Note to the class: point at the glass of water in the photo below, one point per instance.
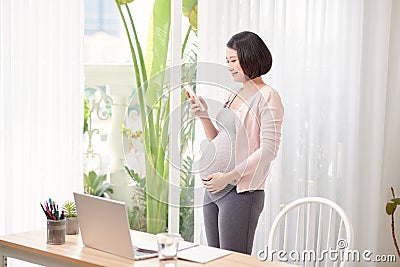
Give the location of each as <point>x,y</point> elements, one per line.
<point>168,244</point>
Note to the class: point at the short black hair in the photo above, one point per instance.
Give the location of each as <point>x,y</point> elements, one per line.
<point>254,55</point>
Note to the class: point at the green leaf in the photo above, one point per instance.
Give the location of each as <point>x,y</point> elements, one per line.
<point>90,180</point>
<point>390,208</point>
<point>134,175</point>
<point>97,182</point>
<point>103,188</point>
<point>189,10</point>
<point>193,17</point>
<point>156,58</point>
<point>92,176</point>
<point>188,6</point>
<point>396,200</point>
<point>157,49</point>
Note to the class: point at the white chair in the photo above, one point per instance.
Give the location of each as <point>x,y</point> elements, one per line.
<point>309,229</point>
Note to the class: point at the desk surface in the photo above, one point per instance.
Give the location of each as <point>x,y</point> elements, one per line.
<point>74,252</point>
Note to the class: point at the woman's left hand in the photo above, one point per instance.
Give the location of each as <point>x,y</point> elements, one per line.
<point>216,182</point>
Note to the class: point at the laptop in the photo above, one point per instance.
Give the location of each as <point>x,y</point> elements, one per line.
<point>104,226</point>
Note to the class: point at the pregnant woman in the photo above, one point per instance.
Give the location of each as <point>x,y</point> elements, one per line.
<point>243,144</point>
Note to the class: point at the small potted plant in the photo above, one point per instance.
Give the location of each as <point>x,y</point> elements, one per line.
<point>69,210</point>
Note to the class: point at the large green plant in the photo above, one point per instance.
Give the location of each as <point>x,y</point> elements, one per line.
<point>154,109</point>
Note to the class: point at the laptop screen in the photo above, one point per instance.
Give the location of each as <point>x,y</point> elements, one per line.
<point>104,224</point>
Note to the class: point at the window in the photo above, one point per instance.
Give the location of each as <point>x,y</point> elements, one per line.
<point>101,16</point>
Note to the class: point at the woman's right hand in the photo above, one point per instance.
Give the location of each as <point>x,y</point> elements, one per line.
<point>196,109</point>
<point>209,128</point>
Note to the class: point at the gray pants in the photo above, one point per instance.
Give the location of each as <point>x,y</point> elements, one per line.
<point>231,220</point>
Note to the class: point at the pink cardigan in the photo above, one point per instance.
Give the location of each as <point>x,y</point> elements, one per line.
<point>258,135</point>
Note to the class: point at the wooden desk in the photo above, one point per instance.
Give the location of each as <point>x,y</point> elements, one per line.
<point>32,247</point>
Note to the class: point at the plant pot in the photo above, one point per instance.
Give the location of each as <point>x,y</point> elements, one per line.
<point>72,227</point>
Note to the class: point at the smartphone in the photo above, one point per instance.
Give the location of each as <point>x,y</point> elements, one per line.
<point>193,95</point>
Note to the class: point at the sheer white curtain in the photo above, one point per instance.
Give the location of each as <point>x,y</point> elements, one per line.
<point>41,108</point>
<point>335,73</point>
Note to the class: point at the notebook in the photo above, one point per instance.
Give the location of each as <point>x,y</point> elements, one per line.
<point>104,226</point>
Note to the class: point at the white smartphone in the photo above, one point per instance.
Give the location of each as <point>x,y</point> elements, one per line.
<point>189,89</point>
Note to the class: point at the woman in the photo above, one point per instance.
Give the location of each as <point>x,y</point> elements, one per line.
<point>236,163</point>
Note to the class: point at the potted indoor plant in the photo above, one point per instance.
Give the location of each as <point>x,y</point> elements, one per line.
<point>69,210</point>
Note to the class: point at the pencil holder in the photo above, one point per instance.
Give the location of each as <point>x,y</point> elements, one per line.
<point>56,232</point>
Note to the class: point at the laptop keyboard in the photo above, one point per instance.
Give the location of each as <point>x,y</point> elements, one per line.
<point>143,254</point>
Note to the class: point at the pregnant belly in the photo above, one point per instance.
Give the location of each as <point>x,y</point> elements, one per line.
<point>218,156</point>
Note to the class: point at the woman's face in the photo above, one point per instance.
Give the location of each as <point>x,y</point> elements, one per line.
<point>234,65</point>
